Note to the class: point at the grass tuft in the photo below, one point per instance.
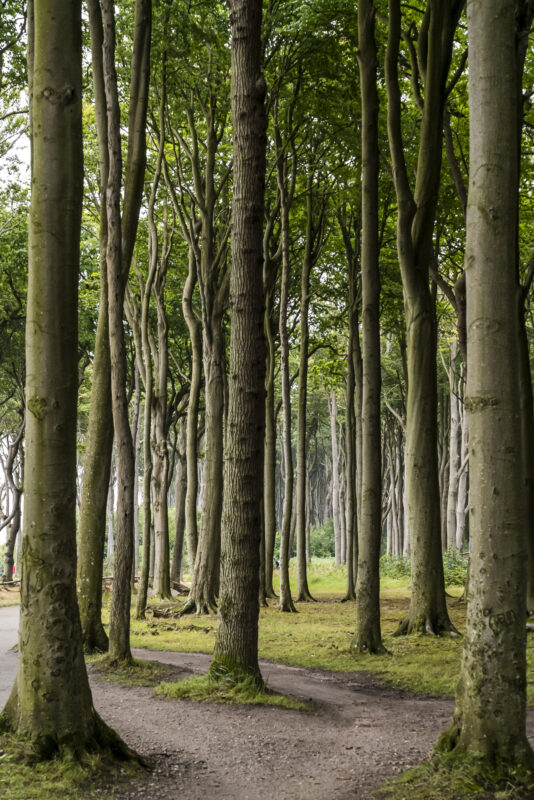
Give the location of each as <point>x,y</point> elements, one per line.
<point>225,689</point>
<point>140,672</point>
<point>460,776</point>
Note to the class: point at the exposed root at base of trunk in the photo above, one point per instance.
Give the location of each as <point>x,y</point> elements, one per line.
<point>95,639</point>
<point>97,738</point>
<point>349,596</point>
<point>305,597</point>
<point>425,624</point>
<point>198,606</point>
<point>288,606</point>
<point>370,643</point>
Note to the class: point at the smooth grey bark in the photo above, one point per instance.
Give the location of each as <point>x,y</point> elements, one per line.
<point>490,713</point>
<point>335,478</point>
<point>97,461</point>
<point>236,645</point>
<point>121,235</point>
<point>14,487</point>
<point>454,449</point>
<point>180,493</point>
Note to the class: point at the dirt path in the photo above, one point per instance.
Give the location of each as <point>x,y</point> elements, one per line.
<point>362,734</point>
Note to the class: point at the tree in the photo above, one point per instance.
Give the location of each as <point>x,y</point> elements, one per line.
<point>415,228</point>
<point>489,718</point>
<point>51,700</point>
<point>236,645</point>
<point>368,637</point>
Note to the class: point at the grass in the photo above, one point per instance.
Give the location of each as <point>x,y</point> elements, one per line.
<point>9,596</point>
<point>140,673</point>
<point>319,636</point>
<point>207,689</point>
<point>460,777</point>
<point>23,779</point>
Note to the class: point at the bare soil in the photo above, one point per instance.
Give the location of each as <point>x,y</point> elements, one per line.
<point>362,733</point>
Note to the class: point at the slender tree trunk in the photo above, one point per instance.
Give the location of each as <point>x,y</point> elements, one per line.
<point>269,499</point>
<point>236,646</point>
<point>335,478</point>
<point>454,451</point>
<point>490,713</point>
<point>118,267</point>
<point>368,636</point>
<point>303,592</point>
<point>180,493</point>
<point>97,462</point>
<point>416,216</point>
<point>286,600</point>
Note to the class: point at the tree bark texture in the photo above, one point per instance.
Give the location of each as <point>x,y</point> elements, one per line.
<point>51,700</point>
<point>368,637</point>
<point>489,718</point>
<point>236,646</point>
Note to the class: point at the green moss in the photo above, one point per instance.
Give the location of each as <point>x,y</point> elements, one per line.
<point>139,673</point>
<point>225,688</point>
<point>22,778</point>
<point>461,776</point>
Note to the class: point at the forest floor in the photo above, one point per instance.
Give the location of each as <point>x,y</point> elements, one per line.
<point>372,718</point>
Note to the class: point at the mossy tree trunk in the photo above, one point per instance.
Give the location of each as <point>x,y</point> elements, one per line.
<point>368,636</point>
<point>236,646</point>
<point>51,700</point>
<point>490,713</point>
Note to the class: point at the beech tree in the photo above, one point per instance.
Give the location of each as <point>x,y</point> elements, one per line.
<point>51,700</point>
<point>489,718</point>
<point>236,645</point>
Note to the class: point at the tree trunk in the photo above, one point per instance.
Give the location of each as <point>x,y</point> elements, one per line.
<point>118,264</point>
<point>303,592</point>
<point>180,493</point>
<point>236,645</point>
<point>490,713</point>
<point>269,499</point>
<point>335,478</point>
<point>454,450</point>
<point>51,700</point>
<point>98,453</point>
<point>368,637</point>
<point>416,217</point>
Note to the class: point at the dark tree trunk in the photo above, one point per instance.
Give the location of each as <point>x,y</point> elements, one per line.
<point>236,646</point>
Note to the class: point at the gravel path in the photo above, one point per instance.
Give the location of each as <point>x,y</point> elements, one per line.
<point>362,733</point>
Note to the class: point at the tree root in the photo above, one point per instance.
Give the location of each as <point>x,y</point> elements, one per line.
<point>425,625</point>
<point>198,606</point>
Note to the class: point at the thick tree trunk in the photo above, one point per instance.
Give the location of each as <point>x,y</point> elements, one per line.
<point>236,646</point>
<point>51,700</point>
<point>490,713</point>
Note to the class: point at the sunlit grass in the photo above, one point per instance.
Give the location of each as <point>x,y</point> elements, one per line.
<point>319,635</point>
